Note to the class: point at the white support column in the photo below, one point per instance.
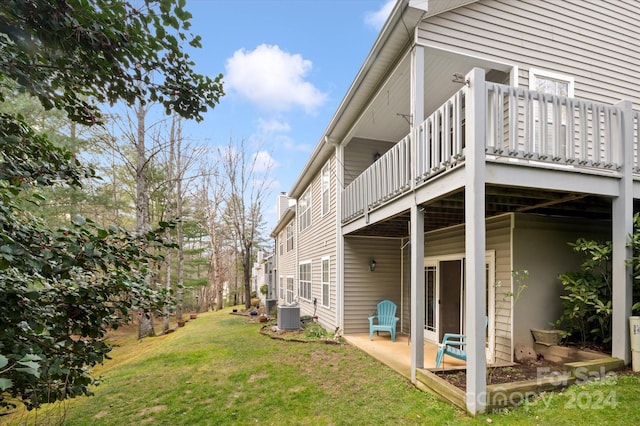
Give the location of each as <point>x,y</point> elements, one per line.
<point>417,290</point>
<point>622,228</point>
<point>417,104</point>
<point>417,221</point>
<point>339,152</point>
<point>474,205</point>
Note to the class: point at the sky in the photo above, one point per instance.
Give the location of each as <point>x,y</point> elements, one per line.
<point>287,65</point>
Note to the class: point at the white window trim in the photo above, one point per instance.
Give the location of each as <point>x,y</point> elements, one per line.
<point>291,228</point>
<point>293,289</point>
<point>307,262</point>
<point>556,148</point>
<point>302,213</point>
<point>326,169</point>
<point>490,259</point>
<point>535,74</point>
<point>327,283</point>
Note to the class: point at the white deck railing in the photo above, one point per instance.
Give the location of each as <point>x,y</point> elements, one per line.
<point>534,127</point>
<point>391,174</point>
<point>439,140</point>
<point>542,127</point>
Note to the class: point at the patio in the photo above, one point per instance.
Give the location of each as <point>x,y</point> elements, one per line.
<point>578,364</point>
<point>397,355</point>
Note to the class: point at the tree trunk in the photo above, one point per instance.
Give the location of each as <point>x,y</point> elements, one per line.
<point>172,194</point>
<point>246,274</point>
<point>145,319</point>
<point>180,229</point>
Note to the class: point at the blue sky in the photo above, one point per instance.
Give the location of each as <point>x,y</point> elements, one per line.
<point>287,65</point>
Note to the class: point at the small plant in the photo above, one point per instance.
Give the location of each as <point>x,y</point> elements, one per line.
<point>519,280</point>
<point>315,331</point>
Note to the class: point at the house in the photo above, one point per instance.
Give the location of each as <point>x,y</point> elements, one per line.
<point>477,139</point>
<point>261,275</point>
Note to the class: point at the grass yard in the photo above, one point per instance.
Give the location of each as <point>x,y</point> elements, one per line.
<point>218,370</point>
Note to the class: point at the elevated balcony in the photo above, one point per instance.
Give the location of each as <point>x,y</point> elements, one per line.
<point>523,128</point>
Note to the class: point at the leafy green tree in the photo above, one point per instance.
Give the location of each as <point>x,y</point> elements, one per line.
<point>62,287</point>
<point>76,54</point>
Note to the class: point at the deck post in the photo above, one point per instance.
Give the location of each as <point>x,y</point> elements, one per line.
<point>339,153</point>
<point>417,219</point>
<point>474,206</point>
<point>417,290</point>
<point>417,107</point>
<point>621,229</point>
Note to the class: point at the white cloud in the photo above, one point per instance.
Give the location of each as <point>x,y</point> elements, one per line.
<point>290,145</point>
<point>272,126</point>
<point>377,18</point>
<point>273,79</point>
<point>264,162</point>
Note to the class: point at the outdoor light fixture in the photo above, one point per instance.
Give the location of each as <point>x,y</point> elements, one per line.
<point>372,264</point>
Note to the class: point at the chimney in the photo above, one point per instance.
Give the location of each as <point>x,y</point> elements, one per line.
<point>283,204</point>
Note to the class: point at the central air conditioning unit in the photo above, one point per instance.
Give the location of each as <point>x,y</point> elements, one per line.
<point>288,317</point>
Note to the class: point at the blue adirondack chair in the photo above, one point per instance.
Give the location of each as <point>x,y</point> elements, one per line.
<point>453,345</point>
<point>387,319</point>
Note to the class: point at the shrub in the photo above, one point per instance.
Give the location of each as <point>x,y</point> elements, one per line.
<point>586,304</point>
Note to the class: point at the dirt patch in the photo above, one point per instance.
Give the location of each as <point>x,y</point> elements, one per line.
<point>154,409</point>
<point>510,374</point>
<point>258,376</point>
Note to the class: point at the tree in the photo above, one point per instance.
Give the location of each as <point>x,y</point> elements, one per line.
<point>246,186</point>
<point>75,54</point>
<point>61,288</point>
<point>210,196</point>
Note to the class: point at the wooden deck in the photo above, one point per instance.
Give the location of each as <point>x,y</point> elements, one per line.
<point>397,355</point>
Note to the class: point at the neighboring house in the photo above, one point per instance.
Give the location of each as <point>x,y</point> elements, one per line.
<point>284,270</point>
<point>478,138</point>
<point>262,274</point>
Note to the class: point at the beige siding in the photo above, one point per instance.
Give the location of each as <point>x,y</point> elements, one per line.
<point>363,289</point>
<point>359,155</point>
<point>405,319</point>
<point>450,241</point>
<point>562,36</point>
<point>286,266</point>
<point>499,240</point>
<point>319,241</point>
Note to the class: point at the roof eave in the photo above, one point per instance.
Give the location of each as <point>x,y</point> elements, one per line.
<point>284,220</point>
<point>323,149</point>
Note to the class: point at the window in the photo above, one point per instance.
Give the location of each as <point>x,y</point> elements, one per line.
<point>549,132</point>
<point>304,283</point>
<point>290,290</point>
<point>290,232</point>
<point>326,285</point>
<point>326,183</point>
<point>281,290</point>
<point>304,210</point>
<point>281,243</point>
<point>552,83</point>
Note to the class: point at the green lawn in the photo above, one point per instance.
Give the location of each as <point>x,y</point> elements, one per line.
<point>218,370</point>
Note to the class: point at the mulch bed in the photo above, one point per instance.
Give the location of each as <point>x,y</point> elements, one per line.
<point>515,373</point>
<point>499,375</point>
